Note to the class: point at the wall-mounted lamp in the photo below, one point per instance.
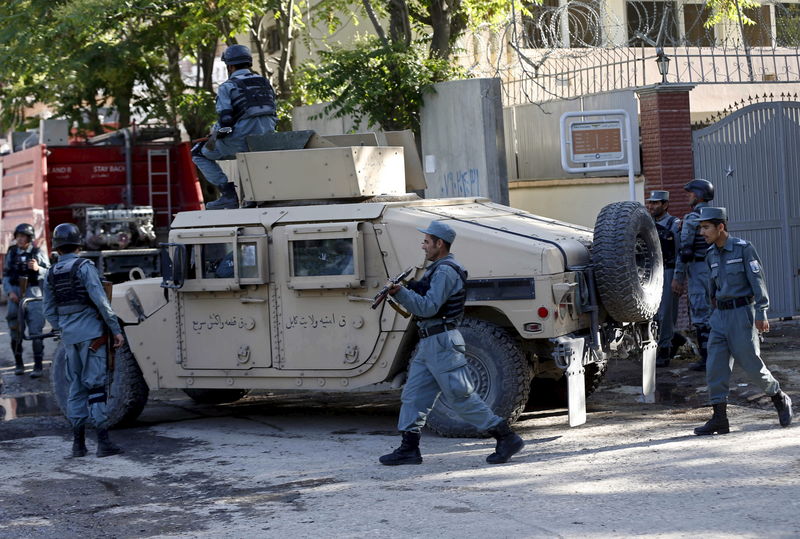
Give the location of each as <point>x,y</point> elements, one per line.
<point>663,64</point>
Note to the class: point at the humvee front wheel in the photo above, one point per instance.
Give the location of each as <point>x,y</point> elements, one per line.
<point>215,396</point>
<point>128,392</point>
<point>499,371</point>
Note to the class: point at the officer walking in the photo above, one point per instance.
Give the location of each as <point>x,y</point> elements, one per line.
<point>691,266</point>
<point>439,366</point>
<point>24,259</point>
<point>76,304</point>
<point>668,227</point>
<point>245,106</point>
<point>739,296</point>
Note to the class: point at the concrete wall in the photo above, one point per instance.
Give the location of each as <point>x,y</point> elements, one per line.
<point>575,200</point>
<point>533,140</point>
<point>304,118</point>
<point>463,140</point>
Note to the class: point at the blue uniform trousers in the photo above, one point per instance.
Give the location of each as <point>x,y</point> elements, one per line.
<point>699,304</point>
<point>439,368</point>
<point>228,147</point>
<point>34,320</point>
<point>667,311</point>
<point>734,337</point>
<point>86,377</point>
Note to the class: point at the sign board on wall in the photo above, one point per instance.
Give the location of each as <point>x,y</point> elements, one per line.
<point>596,141</point>
<point>592,141</point>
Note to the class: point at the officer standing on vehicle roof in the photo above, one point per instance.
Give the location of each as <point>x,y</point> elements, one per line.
<point>76,304</point>
<point>245,106</point>
<point>668,227</point>
<point>24,259</point>
<point>739,296</point>
<point>691,266</point>
<point>439,366</point>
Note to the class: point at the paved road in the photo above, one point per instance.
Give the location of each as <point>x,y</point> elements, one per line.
<point>306,465</point>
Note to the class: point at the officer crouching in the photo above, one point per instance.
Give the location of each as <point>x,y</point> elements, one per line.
<point>76,304</point>
<point>740,302</point>
<point>439,366</point>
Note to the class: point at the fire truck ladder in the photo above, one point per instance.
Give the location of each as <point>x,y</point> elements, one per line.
<point>161,157</point>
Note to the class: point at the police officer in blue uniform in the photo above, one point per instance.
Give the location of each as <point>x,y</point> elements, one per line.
<point>439,366</point>
<point>76,305</point>
<point>24,259</point>
<point>739,296</point>
<point>245,106</point>
<point>691,266</point>
<point>668,228</point>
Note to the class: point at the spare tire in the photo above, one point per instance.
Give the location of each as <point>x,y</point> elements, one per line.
<point>626,255</point>
<point>128,391</point>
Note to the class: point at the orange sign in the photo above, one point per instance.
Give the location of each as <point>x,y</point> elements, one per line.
<point>596,141</point>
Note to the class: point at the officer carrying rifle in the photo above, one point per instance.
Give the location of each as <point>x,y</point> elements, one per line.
<point>439,366</point>
<point>75,303</point>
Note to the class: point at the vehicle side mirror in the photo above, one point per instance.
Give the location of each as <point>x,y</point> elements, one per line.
<point>173,268</point>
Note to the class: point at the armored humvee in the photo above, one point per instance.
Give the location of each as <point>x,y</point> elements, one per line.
<point>278,296</point>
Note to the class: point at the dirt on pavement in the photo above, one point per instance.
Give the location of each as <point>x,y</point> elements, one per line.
<point>306,464</point>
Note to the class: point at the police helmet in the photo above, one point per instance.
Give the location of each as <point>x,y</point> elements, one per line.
<point>237,54</point>
<point>703,189</point>
<point>66,234</point>
<point>24,228</point>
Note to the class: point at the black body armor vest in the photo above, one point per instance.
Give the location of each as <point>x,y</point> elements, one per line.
<point>254,97</point>
<point>68,288</point>
<point>667,239</point>
<point>453,308</point>
<point>18,266</point>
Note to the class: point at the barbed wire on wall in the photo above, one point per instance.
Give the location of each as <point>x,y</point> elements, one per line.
<point>580,47</point>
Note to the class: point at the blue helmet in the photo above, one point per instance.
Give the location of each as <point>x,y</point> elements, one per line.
<point>237,54</point>
<point>704,189</point>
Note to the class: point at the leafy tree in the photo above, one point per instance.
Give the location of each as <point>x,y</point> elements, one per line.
<point>384,84</point>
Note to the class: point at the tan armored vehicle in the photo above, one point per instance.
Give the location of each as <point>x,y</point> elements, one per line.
<point>278,297</point>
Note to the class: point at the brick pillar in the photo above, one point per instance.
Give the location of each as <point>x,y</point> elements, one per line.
<point>666,133</point>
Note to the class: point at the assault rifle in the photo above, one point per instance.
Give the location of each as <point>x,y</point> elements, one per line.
<point>383,293</point>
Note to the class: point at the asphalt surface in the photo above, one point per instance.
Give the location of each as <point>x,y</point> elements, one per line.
<point>305,464</point>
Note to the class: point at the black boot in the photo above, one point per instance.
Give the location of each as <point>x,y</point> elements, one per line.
<point>104,446</point>
<point>508,443</point>
<point>37,367</point>
<point>407,453</point>
<point>783,404</point>
<point>227,199</point>
<point>718,422</point>
<point>663,356</point>
<point>702,346</point>
<point>16,348</point>
<point>78,442</point>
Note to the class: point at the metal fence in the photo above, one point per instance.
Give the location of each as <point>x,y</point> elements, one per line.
<point>751,156</point>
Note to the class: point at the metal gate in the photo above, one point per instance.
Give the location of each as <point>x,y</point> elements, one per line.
<point>753,159</point>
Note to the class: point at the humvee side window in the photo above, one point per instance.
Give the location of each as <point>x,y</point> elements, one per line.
<point>323,257</point>
<point>217,260</point>
<point>248,261</point>
<point>224,258</point>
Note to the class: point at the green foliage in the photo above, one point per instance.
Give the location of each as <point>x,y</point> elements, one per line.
<point>381,84</point>
<point>729,10</point>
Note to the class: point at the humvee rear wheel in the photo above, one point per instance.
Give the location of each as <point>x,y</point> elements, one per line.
<point>128,393</point>
<point>499,371</point>
<point>215,396</point>
<point>629,268</point>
